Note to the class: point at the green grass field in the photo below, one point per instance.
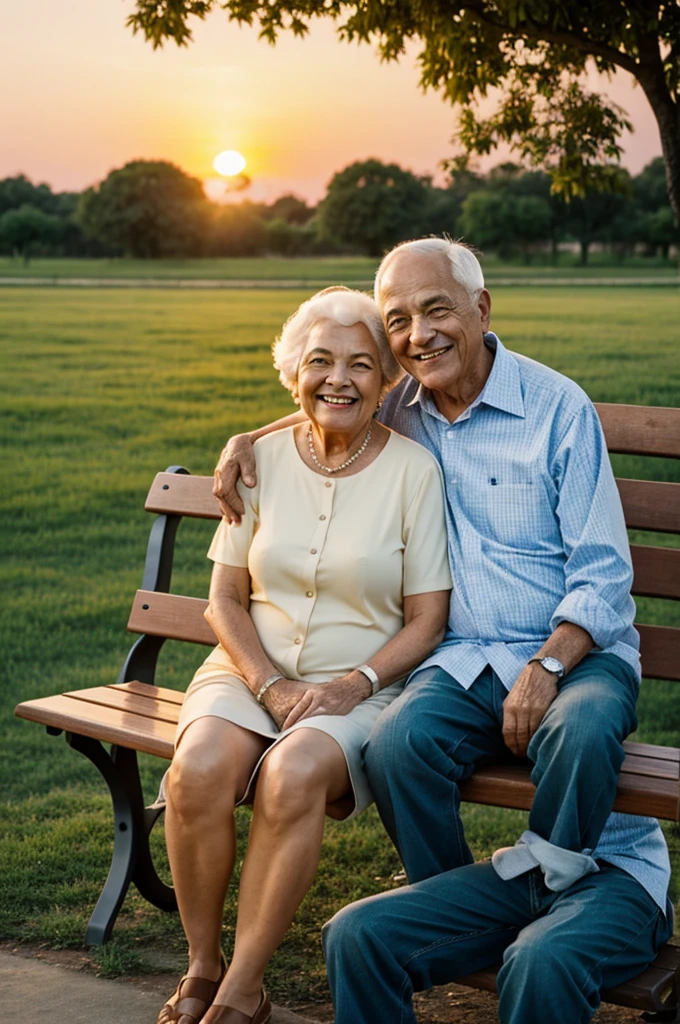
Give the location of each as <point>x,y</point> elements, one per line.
<point>101,390</point>
<point>319,271</point>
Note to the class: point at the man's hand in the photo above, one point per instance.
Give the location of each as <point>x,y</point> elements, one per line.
<point>525,706</point>
<point>237,460</point>
<point>338,697</point>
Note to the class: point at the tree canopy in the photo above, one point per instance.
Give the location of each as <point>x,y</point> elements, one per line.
<point>534,52</point>
<point>147,208</point>
<point>372,206</point>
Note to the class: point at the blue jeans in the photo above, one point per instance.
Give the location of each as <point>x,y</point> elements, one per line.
<point>436,733</point>
<point>558,949</point>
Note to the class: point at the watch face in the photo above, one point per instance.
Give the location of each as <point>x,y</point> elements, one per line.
<point>552,665</point>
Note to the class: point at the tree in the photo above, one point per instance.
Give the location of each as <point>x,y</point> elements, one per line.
<point>20,191</point>
<point>535,52</point>
<point>290,209</point>
<point>238,229</point>
<point>371,206</point>
<point>22,229</point>
<point>599,217</point>
<point>147,209</point>
<point>504,222</point>
<point>658,230</point>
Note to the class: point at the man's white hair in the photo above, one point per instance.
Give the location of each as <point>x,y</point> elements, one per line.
<point>343,306</point>
<point>465,267</point>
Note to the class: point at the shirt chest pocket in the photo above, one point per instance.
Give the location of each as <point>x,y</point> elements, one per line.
<point>518,515</point>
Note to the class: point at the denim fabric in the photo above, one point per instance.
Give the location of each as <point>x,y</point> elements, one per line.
<point>558,949</point>
<point>535,526</point>
<point>436,733</point>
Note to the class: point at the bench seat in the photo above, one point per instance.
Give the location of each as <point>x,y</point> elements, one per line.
<point>143,718</point>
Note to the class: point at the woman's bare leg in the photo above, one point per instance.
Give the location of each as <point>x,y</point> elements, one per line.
<point>208,775</point>
<point>303,773</point>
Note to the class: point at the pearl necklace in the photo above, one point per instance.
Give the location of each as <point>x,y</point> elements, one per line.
<point>346,463</point>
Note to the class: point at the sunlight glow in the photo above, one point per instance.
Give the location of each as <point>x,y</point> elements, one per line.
<point>229,163</point>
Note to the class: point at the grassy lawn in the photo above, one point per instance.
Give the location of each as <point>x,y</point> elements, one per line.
<point>319,271</point>
<point>101,390</point>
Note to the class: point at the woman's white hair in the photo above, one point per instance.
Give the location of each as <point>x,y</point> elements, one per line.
<point>465,267</point>
<point>343,306</point>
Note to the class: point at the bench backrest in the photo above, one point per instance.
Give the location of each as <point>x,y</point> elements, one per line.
<point>648,506</point>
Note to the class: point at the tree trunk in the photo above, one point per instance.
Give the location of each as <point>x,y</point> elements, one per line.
<point>667,113</point>
<point>585,246</point>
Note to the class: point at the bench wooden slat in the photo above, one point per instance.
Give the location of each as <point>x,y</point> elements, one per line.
<point>657,571</point>
<point>640,429</point>
<point>649,990</point>
<point>171,616</point>
<point>173,696</point>
<point>651,750</point>
<point>650,505</point>
<point>132,703</point>
<point>510,786</point>
<point>177,493</point>
<point>640,764</point>
<point>660,651</point>
<point>101,723</point>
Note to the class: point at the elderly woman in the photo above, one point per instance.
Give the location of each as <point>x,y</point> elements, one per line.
<point>332,588</point>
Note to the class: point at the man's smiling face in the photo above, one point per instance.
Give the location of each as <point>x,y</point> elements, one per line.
<point>434,329</point>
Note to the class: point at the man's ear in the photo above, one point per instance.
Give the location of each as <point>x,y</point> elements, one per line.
<point>484,306</point>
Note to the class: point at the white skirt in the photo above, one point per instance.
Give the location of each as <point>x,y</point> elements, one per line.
<point>215,692</point>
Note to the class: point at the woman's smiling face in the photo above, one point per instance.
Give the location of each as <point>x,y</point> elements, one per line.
<point>340,377</point>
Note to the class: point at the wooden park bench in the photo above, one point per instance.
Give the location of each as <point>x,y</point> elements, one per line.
<point>134,714</point>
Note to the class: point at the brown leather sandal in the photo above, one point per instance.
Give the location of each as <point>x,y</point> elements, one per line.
<point>192,999</point>
<point>220,1014</point>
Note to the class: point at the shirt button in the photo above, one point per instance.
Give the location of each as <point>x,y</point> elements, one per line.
<point>312,551</point>
<point>297,640</point>
<point>322,517</point>
<point>328,484</point>
<point>310,593</point>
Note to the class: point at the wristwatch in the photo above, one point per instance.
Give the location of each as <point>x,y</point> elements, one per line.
<point>551,665</point>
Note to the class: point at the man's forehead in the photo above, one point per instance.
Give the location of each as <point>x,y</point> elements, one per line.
<point>419,277</point>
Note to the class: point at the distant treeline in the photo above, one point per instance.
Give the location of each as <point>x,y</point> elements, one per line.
<point>152,209</point>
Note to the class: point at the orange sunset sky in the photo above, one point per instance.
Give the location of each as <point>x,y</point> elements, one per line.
<point>82,95</point>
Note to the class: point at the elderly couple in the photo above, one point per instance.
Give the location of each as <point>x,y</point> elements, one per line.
<point>348,670</point>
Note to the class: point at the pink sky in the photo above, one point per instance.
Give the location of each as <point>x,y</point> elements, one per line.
<point>82,95</point>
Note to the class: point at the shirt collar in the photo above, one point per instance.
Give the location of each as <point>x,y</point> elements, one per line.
<point>503,388</point>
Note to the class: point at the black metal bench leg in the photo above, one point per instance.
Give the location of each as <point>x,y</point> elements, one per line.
<point>132,822</point>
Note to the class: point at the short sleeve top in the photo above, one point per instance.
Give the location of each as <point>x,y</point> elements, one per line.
<point>331,560</point>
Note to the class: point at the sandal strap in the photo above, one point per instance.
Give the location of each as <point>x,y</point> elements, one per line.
<point>194,996</point>
<point>197,988</point>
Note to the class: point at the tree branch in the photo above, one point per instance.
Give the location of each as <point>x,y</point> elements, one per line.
<point>541,33</point>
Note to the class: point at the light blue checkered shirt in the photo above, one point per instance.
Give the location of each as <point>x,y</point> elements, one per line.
<point>535,525</point>
<point>536,537</point>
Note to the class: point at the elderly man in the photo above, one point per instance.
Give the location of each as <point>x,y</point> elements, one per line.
<point>540,656</point>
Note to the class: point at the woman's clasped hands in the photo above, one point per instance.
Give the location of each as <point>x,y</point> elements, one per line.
<point>289,701</point>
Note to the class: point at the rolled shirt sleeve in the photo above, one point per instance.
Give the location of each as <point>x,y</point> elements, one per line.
<point>598,570</point>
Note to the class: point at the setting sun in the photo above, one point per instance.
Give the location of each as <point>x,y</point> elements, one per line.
<point>229,163</point>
